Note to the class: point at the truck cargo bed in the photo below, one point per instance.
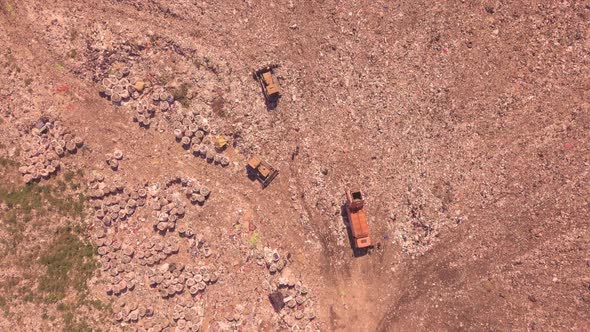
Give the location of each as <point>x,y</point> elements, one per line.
<point>358,223</point>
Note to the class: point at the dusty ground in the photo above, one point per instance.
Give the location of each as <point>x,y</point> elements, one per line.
<point>467,125</point>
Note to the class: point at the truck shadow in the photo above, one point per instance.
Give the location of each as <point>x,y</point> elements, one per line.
<point>356,252</point>
<point>271,105</point>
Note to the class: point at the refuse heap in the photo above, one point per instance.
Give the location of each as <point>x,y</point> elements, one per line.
<point>270,258</point>
<point>116,263</point>
<point>155,250</point>
<point>44,145</point>
<point>172,279</point>
<point>193,132</point>
<point>114,202</point>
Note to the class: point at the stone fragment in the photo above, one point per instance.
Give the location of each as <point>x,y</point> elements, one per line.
<point>139,86</point>
<point>118,154</point>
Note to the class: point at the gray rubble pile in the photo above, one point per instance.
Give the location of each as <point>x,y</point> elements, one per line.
<point>188,315</point>
<point>131,311</point>
<point>114,202</point>
<point>44,146</point>
<point>199,247</point>
<point>168,208</point>
<point>122,89</point>
<point>116,262</point>
<point>162,100</point>
<point>144,112</point>
<point>114,158</point>
<point>234,319</point>
<point>172,279</point>
<point>119,88</point>
<point>194,191</point>
<point>193,132</point>
<point>185,228</point>
<point>272,259</point>
<point>153,251</point>
<point>298,310</point>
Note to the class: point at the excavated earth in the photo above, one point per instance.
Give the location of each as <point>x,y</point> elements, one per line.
<point>465,123</point>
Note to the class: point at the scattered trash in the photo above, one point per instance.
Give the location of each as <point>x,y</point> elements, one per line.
<point>44,146</point>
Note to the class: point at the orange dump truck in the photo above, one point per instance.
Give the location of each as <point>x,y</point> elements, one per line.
<point>357,219</point>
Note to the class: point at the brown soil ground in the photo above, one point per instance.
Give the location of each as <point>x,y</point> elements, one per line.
<point>465,123</point>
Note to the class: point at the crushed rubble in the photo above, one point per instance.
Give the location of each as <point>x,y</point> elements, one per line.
<point>43,146</point>
<point>113,202</point>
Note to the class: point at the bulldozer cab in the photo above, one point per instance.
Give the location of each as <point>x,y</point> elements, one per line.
<point>264,172</point>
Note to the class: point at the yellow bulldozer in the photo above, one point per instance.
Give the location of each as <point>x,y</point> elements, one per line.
<point>220,143</point>
<point>269,83</point>
<point>262,171</point>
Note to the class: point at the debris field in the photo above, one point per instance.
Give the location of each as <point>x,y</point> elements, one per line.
<point>146,131</point>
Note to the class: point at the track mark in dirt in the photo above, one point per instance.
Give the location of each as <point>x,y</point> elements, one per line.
<point>335,319</point>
